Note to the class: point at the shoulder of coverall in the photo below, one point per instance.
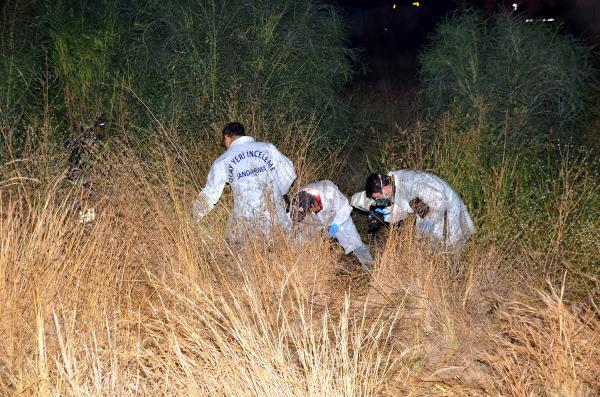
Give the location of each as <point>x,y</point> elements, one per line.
<point>428,178</point>
<point>241,140</point>
<point>232,150</point>
<point>405,181</point>
<point>416,175</point>
<point>320,185</point>
<point>412,181</point>
<point>259,145</point>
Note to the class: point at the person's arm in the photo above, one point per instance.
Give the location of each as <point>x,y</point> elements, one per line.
<point>211,193</point>
<point>284,170</point>
<point>400,210</point>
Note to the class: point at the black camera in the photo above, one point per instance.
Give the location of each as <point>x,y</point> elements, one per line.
<point>382,203</point>
<point>375,219</point>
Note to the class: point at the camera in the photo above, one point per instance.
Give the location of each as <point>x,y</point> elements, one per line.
<point>375,219</point>
<point>382,203</point>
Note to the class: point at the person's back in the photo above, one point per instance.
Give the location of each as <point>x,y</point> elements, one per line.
<point>427,186</point>
<point>442,200</point>
<point>259,176</point>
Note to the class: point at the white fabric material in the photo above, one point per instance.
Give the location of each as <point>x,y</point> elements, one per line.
<point>259,176</point>
<point>336,210</point>
<point>361,202</point>
<point>445,207</point>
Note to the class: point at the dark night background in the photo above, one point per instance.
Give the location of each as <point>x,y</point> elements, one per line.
<point>391,33</point>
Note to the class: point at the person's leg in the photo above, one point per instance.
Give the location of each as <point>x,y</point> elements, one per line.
<point>350,240</point>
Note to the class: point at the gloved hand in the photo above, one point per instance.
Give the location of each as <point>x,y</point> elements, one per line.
<point>333,229</point>
<point>385,212</point>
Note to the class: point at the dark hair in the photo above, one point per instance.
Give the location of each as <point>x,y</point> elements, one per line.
<point>233,129</point>
<point>301,205</point>
<point>375,183</point>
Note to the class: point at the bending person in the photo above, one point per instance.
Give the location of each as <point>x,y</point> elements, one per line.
<point>440,213</point>
<point>259,176</point>
<point>324,202</point>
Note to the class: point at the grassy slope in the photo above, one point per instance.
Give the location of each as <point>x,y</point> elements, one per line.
<point>142,301</point>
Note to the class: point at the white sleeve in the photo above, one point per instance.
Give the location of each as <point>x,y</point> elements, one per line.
<point>217,177</point>
<point>284,170</point>
<point>400,210</point>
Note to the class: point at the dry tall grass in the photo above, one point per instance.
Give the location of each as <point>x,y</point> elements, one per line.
<point>142,301</point>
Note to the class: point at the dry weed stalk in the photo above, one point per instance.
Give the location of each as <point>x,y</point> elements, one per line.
<point>142,301</point>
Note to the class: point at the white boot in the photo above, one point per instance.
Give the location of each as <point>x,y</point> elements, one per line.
<point>364,257</point>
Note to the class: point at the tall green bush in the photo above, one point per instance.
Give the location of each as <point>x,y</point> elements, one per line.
<point>533,79</point>
<point>20,91</point>
<point>548,204</point>
<point>208,60</point>
<point>193,63</point>
<point>83,42</point>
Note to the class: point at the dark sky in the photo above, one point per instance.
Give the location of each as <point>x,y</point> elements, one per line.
<point>390,33</point>
<point>400,23</point>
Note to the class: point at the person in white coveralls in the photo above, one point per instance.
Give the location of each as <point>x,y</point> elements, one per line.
<point>440,213</point>
<point>259,176</point>
<point>326,206</point>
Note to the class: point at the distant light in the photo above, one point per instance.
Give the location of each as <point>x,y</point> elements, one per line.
<point>416,4</point>
<point>515,6</point>
<point>540,20</point>
<point>394,6</point>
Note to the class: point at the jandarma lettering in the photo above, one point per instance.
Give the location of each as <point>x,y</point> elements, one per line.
<point>253,171</point>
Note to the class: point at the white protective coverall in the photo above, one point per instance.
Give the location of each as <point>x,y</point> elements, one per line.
<point>259,176</point>
<point>337,210</point>
<point>445,207</point>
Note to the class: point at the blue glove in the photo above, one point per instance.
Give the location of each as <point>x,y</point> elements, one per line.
<point>386,214</point>
<point>333,229</point>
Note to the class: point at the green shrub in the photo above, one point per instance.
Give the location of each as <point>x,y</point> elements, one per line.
<point>191,63</point>
<point>20,91</point>
<point>83,43</point>
<point>548,205</point>
<point>535,80</point>
<point>210,60</point>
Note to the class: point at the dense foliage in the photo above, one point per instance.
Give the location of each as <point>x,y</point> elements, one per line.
<point>196,62</point>
<point>533,79</point>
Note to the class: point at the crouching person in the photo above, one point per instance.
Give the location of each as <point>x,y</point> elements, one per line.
<point>440,213</point>
<point>322,201</point>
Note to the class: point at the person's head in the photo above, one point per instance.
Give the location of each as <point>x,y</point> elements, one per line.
<point>378,186</point>
<point>303,204</point>
<point>231,132</point>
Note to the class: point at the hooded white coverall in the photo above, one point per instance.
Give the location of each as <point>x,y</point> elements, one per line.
<point>259,176</point>
<point>337,210</point>
<point>445,207</point>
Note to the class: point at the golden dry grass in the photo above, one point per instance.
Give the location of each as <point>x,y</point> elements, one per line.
<point>143,301</point>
